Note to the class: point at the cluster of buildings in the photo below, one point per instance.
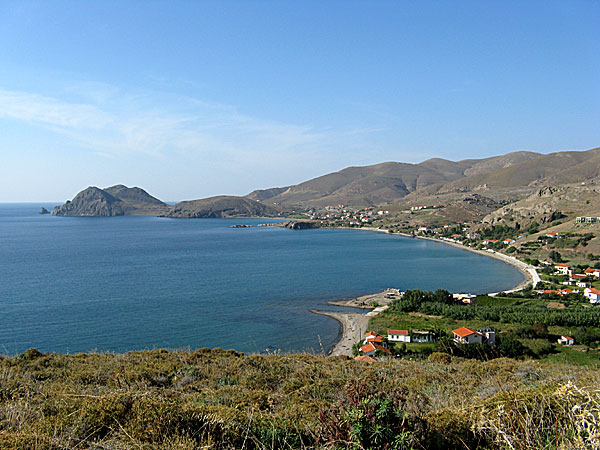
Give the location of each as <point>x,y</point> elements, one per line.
<point>350,217</point>
<point>581,280</point>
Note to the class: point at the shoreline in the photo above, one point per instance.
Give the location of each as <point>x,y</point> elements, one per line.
<point>352,324</point>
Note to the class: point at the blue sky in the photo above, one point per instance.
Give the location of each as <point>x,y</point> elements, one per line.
<point>189,99</point>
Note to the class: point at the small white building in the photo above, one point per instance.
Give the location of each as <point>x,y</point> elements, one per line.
<point>592,294</point>
<point>566,340</point>
<point>398,336</point>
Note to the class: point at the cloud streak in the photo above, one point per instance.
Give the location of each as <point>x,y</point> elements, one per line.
<point>117,125</point>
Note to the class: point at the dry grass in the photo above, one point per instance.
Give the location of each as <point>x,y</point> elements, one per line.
<point>216,399</point>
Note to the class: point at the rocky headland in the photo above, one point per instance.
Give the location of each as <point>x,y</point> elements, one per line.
<point>116,200</point>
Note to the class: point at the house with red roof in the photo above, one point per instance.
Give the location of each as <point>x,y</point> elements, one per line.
<point>464,335</point>
<point>508,241</point>
<point>563,269</point>
<point>371,348</point>
<point>373,337</point>
<point>398,336</point>
<point>552,235</point>
<point>592,272</point>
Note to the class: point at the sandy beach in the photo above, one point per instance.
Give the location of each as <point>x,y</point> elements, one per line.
<point>354,325</point>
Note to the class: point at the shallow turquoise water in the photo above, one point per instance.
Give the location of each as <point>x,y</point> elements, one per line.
<point>117,284</point>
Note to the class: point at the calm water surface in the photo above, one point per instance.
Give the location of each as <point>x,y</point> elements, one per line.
<point>123,283</point>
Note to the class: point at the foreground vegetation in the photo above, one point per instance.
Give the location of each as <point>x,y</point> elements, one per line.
<point>216,399</point>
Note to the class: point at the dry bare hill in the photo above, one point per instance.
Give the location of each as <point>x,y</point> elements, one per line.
<point>383,183</point>
<point>545,170</point>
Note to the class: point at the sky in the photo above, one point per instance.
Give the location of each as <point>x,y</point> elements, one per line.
<point>189,99</point>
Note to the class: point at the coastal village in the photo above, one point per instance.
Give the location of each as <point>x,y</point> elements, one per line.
<point>560,285</point>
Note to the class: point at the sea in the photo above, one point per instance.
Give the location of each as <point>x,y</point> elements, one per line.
<point>80,284</point>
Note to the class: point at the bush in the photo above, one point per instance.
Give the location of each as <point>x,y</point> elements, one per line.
<point>364,420</point>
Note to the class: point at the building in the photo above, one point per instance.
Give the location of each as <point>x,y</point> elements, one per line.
<point>468,299</point>
<point>421,336</point>
<point>489,335</point>
<point>465,335</point>
<point>592,294</point>
<point>592,272</point>
<point>490,241</point>
<point>566,340</point>
<point>587,219</point>
<point>552,235</point>
<point>398,336</point>
<point>371,348</point>
<point>373,337</point>
<point>563,269</point>
<point>508,241</point>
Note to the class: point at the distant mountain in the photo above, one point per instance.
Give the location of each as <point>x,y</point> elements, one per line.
<point>116,200</point>
<point>384,183</point>
<point>221,207</point>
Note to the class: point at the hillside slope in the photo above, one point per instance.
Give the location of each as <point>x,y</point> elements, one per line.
<point>220,207</point>
<point>383,183</point>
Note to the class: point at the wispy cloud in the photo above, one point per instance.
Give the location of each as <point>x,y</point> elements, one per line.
<point>112,123</point>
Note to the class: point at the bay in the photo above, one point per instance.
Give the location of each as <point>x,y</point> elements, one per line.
<point>70,284</point>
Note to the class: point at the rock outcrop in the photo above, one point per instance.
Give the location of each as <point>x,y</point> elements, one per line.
<point>113,201</point>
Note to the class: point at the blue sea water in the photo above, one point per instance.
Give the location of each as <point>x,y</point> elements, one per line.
<point>126,283</point>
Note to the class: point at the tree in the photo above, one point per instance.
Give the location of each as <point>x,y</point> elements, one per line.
<point>511,347</point>
<point>555,256</point>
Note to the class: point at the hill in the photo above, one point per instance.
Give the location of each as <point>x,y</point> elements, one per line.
<point>221,207</point>
<point>384,183</point>
<point>116,200</point>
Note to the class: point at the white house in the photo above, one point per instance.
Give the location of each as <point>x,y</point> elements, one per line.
<point>508,241</point>
<point>465,335</point>
<point>566,340</point>
<point>563,269</point>
<point>592,294</point>
<point>398,336</point>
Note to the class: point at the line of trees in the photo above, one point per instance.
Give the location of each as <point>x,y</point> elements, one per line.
<point>441,303</point>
